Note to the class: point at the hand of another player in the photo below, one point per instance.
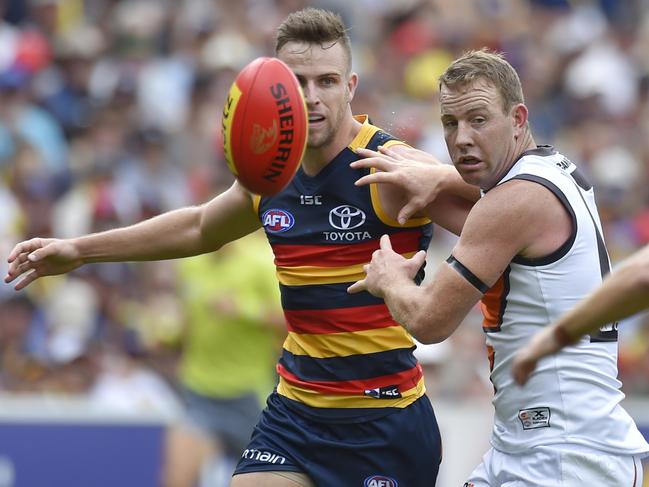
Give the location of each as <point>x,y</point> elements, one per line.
<point>40,257</point>
<point>387,268</point>
<point>418,173</point>
<point>525,361</point>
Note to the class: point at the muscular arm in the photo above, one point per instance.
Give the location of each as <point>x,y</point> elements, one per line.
<point>179,233</point>
<point>623,293</point>
<point>497,229</point>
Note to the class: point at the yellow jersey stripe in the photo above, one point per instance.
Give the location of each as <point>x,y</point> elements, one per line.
<point>348,343</point>
<point>312,275</point>
<point>317,400</point>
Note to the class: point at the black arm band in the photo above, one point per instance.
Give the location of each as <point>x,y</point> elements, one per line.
<point>467,274</point>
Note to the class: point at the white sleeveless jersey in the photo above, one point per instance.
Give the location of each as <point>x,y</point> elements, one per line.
<point>573,397</point>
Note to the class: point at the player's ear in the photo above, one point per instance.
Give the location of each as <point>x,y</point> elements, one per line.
<point>352,83</point>
<point>519,118</point>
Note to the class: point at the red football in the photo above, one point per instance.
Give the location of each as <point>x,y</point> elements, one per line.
<point>265,126</point>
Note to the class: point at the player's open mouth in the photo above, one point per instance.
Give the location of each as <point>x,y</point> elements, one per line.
<point>313,119</point>
<point>469,161</point>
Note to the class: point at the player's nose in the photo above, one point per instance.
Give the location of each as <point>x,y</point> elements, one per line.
<point>310,93</point>
<point>463,135</point>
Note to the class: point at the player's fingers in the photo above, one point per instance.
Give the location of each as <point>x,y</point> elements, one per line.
<point>522,369</point>
<point>419,258</point>
<point>45,251</point>
<point>377,162</point>
<point>16,269</point>
<point>406,212</point>
<point>24,248</point>
<point>377,177</point>
<point>364,152</point>
<point>357,287</point>
<point>26,280</point>
<point>386,151</point>
<point>385,242</point>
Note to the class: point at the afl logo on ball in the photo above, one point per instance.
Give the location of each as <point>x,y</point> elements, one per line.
<point>277,221</point>
<point>380,481</point>
<point>263,139</point>
<point>346,217</point>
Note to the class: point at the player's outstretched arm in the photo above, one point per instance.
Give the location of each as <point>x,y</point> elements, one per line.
<point>623,293</point>
<point>430,187</point>
<point>179,233</point>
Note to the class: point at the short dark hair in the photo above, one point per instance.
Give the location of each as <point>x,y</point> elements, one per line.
<point>314,26</point>
<point>487,65</point>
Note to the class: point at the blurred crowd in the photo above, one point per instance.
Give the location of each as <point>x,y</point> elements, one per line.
<point>110,113</point>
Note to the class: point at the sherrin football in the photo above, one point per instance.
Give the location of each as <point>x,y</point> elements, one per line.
<point>265,126</point>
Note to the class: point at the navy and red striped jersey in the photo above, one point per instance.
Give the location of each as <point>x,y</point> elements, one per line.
<point>344,354</point>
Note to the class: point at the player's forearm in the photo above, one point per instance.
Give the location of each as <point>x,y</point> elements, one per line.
<point>454,184</point>
<point>413,308</point>
<point>171,235</point>
<point>623,293</point>
<point>402,300</point>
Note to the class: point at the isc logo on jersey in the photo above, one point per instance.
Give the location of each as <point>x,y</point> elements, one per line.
<point>277,221</point>
<point>380,481</point>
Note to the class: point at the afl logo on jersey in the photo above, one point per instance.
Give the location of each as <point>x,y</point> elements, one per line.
<point>346,217</point>
<point>277,221</point>
<point>380,481</point>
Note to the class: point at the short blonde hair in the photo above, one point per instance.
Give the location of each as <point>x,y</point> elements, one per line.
<point>487,65</point>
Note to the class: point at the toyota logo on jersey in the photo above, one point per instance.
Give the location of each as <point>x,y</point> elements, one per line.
<point>346,217</point>
<point>277,221</point>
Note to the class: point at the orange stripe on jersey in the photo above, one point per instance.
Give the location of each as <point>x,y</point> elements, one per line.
<point>404,380</point>
<point>339,319</point>
<point>494,302</point>
<point>340,255</point>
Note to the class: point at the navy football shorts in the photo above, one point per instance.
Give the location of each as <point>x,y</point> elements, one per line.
<point>401,449</point>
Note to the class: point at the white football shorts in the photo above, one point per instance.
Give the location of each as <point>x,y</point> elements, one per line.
<point>557,466</point>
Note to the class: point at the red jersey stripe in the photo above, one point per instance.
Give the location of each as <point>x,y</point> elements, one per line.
<point>404,380</point>
<point>340,255</point>
<point>338,320</point>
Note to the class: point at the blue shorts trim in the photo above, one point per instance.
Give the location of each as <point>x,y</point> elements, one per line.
<point>404,446</point>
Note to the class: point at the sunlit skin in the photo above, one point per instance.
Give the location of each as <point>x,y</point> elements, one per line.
<point>328,86</point>
<point>483,139</point>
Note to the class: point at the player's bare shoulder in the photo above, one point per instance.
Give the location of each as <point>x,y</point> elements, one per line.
<point>529,213</point>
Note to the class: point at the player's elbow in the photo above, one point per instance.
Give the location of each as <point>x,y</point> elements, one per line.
<point>428,330</point>
<point>428,337</point>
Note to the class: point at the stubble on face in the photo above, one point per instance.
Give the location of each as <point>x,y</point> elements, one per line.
<point>477,130</point>
<point>316,66</point>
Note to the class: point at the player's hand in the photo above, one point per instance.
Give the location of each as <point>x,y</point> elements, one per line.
<point>525,361</point>
<point>40,257</point>
<point>387,268</point>
<point>419,174</point>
